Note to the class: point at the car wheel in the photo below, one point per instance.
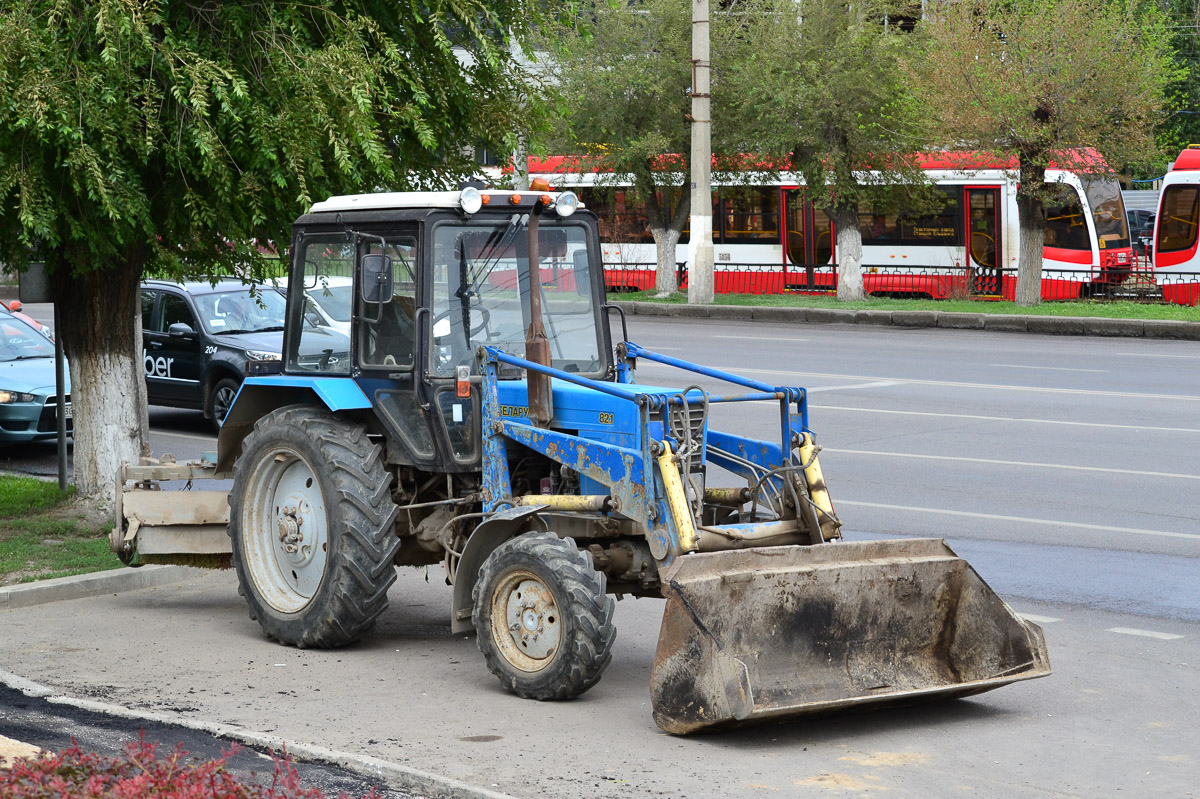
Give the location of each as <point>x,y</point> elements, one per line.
<point>220,399</point>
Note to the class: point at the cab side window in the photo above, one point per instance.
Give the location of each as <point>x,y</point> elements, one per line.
<point>320,347</point>
<point>390,332</point>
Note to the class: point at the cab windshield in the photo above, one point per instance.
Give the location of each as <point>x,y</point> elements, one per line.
<point>481,292</point>
<point>1108,212</point>
<point>231,312</point>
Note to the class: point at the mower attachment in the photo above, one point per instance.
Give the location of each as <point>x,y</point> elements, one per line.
<point>771,632</point>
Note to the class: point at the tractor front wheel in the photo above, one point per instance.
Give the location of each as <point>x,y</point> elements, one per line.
<point>312,524</point>
<point>544,622</point>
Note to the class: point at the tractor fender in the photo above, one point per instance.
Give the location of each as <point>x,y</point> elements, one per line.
<point>493,532</point>
<point>258,396</point>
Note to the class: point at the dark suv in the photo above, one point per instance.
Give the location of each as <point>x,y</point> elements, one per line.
<point>197,340</point>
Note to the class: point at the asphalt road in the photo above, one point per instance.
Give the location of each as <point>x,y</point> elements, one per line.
<point>1065,469</point>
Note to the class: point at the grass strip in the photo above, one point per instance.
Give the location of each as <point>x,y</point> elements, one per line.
<point>1094,308</point>
<point>40,536</point>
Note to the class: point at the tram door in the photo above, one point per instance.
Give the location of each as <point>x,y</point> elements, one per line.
<point>808,243</point>
<point>984,240</point>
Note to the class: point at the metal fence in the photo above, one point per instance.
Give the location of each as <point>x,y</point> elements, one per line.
<point>1138,282</point>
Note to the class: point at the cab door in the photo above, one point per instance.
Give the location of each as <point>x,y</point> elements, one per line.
<point>174,361</point>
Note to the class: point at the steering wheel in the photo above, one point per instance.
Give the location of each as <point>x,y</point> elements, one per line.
<point>485,317</point>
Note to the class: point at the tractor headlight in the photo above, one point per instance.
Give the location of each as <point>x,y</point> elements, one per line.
<point>567,203</point>
<point>9,397</point>
<point>261,355</point>
<point>470,200</point>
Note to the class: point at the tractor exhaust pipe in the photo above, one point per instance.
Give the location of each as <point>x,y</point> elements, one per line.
<point>537,345</point>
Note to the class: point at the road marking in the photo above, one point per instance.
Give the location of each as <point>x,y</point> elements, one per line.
<point>1156,355</point>
<point>988,386</point>
<point>1021,419</point>
<point>1038,619</point>
<point>993,461</point>
<point>999,517</point>
<point>762,338</point>
<point>1052,368</point>
<point>1143,633</point>
<point>853,386</point>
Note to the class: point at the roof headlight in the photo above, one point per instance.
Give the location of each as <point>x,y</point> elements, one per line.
<point>470,200</point>
<point>567,203</point>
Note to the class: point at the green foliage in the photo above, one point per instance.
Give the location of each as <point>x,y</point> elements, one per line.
<point>826,91</point>
<point>1182,124</point>
<point>1036,78</point>
<point>184,135</point>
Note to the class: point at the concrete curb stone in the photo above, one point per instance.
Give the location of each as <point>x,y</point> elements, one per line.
<point>873,318</point>
<point>1057,325</point>
<point>830,316</point>
<point>915,318</point>
<point>85,585</point>
<point>1008,324</point>
<point>1166,328</point>
<point>1098,326</point>
<point>745,312</point>
<point>958,321</point>
<point>769,313</point>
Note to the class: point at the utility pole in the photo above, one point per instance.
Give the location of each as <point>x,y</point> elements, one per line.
<point>700,246</point>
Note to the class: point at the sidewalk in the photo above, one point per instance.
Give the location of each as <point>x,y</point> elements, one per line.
<point>1002,323</point>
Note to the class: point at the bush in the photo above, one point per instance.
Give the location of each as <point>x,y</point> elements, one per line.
<point>140,773</point>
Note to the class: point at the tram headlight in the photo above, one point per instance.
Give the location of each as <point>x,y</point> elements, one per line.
<point>470,200</point>
<point>566,204</point>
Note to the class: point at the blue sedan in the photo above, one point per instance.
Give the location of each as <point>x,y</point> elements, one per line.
<point>28,402</point>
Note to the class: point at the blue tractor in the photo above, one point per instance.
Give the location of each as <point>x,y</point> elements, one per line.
<point>479,415</point>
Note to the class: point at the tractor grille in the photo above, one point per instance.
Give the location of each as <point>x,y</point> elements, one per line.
<point>48,420</point>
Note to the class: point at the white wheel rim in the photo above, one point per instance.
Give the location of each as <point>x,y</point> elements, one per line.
<point>285,531</point>
<point>526,622</point>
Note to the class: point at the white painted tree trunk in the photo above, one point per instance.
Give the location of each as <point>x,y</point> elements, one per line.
<point>100,326</point>
<point>666,277</point>
<point>849,255</point>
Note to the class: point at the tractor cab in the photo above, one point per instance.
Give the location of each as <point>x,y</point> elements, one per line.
<point>435,277</point>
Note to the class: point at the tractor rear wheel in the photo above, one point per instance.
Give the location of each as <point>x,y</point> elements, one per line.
<point>312,524</point>
<point>544,622</point>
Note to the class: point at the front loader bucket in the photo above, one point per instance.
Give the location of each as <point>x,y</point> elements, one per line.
<point>773,632</point>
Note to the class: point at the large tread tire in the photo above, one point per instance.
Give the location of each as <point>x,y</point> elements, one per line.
<point>342,589</point>
<point>577,612</point>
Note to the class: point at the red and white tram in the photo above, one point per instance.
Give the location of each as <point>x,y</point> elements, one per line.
<point>769,237</point>
<point>1177,230</point>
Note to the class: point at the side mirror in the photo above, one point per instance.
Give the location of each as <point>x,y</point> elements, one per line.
<point>180,330</point>
<point>376,278</point>
<point>14,305</point>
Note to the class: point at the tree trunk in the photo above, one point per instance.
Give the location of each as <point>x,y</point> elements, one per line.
<point>100,322</point>
<point>666,277</point>
<point>849,252</point>
<point>1031,212</point>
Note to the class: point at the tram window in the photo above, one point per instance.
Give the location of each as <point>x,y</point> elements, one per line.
<point>749,214</point>
<point>1066,227</point>
<point>1177,226</point>
<point>622,219</point>
<point>941,227</point>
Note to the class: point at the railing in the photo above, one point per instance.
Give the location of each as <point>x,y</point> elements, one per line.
<point>1137,282</point>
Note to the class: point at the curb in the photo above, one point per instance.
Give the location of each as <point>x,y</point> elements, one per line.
<point>85,585</point>
<point>1000,323</point>
<point>400,776</point>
